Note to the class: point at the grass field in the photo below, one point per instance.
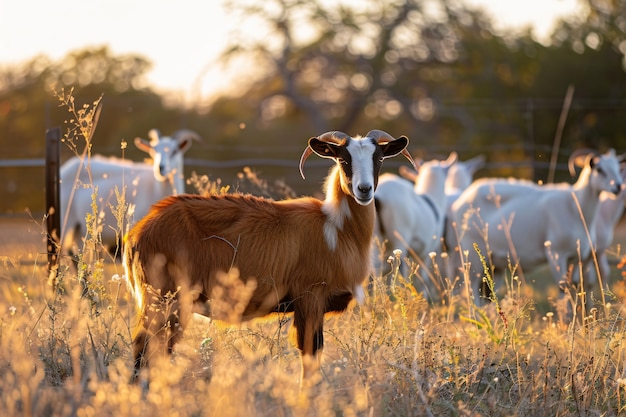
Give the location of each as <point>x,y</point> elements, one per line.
<point>397,354</point>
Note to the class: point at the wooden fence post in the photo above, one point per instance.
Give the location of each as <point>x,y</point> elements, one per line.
<point>53,209</point>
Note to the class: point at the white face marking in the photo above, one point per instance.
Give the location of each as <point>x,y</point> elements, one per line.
<point>165,157</point>
<point>362,151</point>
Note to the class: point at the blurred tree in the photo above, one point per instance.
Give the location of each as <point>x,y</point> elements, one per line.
<point>587,52</point>
<point>434,70</point>
<point>604,22</point>
<point>28,107</point>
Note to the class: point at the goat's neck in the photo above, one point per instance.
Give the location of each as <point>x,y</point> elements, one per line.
<point>583,179</point>
<point>166,188</point>
<point>343,212</point>
<point>588,197</point>
<point>176,183</point>
<point>434,186</point>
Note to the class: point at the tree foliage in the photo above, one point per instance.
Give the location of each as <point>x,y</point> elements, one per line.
<point>435,70</point>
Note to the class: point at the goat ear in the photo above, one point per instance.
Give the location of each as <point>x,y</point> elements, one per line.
<point>185,138</point>
<point>475,163</point>
<point>395,147</point>
<point>143,145</point>
<point>184,145</point>
<point>321,148</point>
<point>324,149</point>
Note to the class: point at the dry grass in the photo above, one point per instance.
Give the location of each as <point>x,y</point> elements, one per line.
<point>65,351</point>
<point>397,354</point>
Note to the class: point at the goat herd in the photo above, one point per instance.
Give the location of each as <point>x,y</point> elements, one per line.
<point>310,257</point>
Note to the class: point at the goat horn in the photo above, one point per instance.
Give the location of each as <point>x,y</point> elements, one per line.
<point>187,134</point>
<point>408,156</point>
<point>307,152</point>
<point>381,136</point>
<point>574,159</point>
<point>334,136</point>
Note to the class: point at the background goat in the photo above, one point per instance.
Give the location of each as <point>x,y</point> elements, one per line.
<point>304,255</point>
<point>461,176</point>
<point>610,211</point>
<point>145,184</point>
<point>411,215</point>
<point>526,224</point>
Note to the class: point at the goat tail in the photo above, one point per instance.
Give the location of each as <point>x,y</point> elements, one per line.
<point>136,281</point>
<point>135,277</point>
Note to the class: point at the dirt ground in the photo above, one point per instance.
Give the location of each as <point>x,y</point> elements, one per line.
<point>22,239</point>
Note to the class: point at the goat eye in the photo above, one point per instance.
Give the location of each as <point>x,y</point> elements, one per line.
<point>600,171</point>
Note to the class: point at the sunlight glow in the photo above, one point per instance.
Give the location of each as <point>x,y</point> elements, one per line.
<point>182,39</point>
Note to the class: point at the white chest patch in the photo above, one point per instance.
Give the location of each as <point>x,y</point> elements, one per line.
<point>336,215</point>
<point>330,234</point>
<point>359,294</point>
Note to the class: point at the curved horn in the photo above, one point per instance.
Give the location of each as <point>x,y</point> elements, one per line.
<point>576,157</point>
<point>452,158</point>
<point>333,136</point>
<point>408,156</point>
<point>381,136</point>
<point>183,134</point>
<point>307,152</point>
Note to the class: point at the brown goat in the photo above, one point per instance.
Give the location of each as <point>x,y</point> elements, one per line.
<point>304,255</point>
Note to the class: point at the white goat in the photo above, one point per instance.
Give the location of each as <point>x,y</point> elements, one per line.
<point>461,176</point>
<point>411,216</point>
<point>145,184</point>
<point>527,224</point>
<point>303,255</point>
<point>610,212</point>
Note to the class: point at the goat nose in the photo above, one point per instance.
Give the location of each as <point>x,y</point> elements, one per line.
<point>364,188</point>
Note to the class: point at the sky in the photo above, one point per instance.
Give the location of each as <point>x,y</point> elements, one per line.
<point>182,38</point>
